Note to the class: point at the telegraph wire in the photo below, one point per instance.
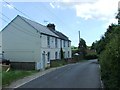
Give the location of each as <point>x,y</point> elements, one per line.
<point>16,23</point>
<point>53,14</point>
<point>18,28</point>
<point>16,8</point>
<point>30,17</point>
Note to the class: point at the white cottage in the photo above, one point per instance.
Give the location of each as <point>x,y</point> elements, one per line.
<point>33,45</point>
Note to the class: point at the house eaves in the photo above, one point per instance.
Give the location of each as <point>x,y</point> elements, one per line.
<point>61,35</point>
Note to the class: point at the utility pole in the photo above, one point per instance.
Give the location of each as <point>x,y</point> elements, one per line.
<point>79,37</point>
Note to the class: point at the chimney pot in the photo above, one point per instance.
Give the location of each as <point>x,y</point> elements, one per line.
<point>51,26</point>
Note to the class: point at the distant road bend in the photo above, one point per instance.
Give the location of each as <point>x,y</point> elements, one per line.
<point>80,75</point>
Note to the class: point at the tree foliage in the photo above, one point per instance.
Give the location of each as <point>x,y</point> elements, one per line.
<point>108,48</point>
<point>100,45</point>
<point>82,44</point>
<point>110,61</point>
<point>82,47</point>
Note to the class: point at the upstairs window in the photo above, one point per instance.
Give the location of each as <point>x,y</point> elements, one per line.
<point>48,41</point>
<point>56,43</point>
<point>68,44</point>
<point>64,43</point>
<point>60,43</point>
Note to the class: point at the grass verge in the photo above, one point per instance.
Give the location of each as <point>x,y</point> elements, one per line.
<point>58,63</point>
<point>12,75</point>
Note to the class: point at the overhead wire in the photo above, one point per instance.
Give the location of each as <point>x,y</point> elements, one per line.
<point>15,23</point>
<point>16,28</point>
<point>16,9</point>
<point>59,19</point>
<point>30,17</point>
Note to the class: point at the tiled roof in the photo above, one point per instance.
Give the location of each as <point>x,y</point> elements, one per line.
<point>45,29</point>
<point>61,35</point>
<point>39,27</point>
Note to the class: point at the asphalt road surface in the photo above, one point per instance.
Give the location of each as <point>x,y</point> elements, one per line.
<point>80,75</point>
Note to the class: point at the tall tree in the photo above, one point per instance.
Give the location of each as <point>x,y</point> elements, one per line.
<point>82,43</point>
<point>82,47</point>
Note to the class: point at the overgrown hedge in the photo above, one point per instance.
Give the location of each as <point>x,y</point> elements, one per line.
<point>57,63</point>
<point>91,56</point>
<point>110,62</point>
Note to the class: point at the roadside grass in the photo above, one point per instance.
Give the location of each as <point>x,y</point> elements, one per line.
<point>0,76</point>
<point>13,75</point>
<point>58,63</point>
<point>0,81</point>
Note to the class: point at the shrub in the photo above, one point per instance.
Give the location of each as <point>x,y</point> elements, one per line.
<point>57,63</point>
<point>110,61</point>
<point>91,56</point>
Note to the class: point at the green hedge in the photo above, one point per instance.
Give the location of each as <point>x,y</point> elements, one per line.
<point>57,63</point>
<point>91,56</point>
<point>110,64</point>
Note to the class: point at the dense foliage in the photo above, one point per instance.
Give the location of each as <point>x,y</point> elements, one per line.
<point>91,56</point>
<point>108,48</point>
<point>82,47</point>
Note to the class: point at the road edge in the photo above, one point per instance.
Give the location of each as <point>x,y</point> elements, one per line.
<point>101,82</point>
<point>27,79</point>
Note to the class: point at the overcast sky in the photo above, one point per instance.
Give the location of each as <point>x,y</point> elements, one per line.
<point>91,17</point>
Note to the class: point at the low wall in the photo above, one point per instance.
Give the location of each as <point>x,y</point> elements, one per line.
<point>58,62</point>
<point>23,65</point>
<point>70,60</point>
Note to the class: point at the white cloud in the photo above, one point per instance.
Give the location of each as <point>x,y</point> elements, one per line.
<point>91,9</point>
<point>110,21</point>
<point>87,9</point>
<point>101,9</point>
<point>69,3</point>
<point>104,10</point>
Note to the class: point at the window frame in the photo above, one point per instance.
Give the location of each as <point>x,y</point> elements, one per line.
<point>48,41</point>
<point>56,42</point>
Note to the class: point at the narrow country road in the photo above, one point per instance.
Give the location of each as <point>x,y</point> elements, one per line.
<point>80,75</point>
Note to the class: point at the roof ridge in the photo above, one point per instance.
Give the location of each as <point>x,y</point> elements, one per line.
<point>39,27</point>
<point>32,20</point>
<point>56,32</point>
